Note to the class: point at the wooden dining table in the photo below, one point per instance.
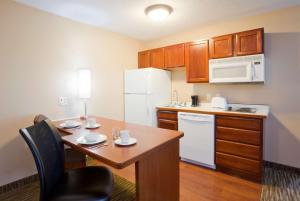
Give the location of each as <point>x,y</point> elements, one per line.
<point>155,155</point>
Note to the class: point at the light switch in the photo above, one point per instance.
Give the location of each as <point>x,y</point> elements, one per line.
<point>63,101</point>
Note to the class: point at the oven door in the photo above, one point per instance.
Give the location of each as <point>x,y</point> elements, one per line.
<point>230,72</point>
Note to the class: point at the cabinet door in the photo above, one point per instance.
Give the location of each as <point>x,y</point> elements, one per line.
<point>167,124</point>
<point>144,59</point>
<point>220,47</point>
<point>196,61</point>
<point>157,58</point>
<point>249,42</point>
<point>174,56</point>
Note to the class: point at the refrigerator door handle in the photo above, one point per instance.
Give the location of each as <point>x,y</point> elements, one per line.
<point>147,105</point>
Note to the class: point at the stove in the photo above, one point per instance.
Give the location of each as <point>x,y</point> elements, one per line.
<point>242,109</point>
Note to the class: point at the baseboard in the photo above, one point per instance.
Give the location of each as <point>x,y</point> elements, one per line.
<point>18,184</point>
<point>281,166</point>
<point>31,179</point>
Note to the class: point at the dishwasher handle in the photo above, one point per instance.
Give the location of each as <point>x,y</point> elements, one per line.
<point>202,118</point>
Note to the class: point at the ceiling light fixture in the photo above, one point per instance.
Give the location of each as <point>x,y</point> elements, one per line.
<point>158,12</point>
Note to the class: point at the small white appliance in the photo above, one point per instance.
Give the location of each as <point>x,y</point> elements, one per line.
<point>198,143</point>
<point>219,102</point>
<point>144,90</point>
<point>237,69</point>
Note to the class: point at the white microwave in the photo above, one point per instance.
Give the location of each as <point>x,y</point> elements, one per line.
<point>237,69</point>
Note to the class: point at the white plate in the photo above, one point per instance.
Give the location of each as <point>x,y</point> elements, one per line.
<point>94,126</point>
<point>130,142</point>
<point>76,124</point>
<point>91,138</point>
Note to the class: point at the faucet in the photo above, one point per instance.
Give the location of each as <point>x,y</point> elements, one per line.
<point>175,92</point>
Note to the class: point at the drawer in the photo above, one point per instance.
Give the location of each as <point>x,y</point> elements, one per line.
<point>238,163</point>
<point>164,114</point>
<point>167,124</point>
<point>239,135</point>
<point>238,149</point>
<point>241,123</point>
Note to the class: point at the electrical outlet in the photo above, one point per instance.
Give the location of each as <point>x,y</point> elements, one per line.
<point>63,101</point>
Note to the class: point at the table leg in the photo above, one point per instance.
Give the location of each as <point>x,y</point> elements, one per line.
<point>157,175</point>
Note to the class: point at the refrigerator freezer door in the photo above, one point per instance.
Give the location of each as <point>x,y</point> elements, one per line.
<point>137,109</point>
<point>136,81</point>
<point>145,89</point>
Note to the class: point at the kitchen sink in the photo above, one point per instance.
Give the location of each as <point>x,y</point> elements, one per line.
<point>179,105</point>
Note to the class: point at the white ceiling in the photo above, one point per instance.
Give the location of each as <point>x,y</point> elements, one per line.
<point>127,16</point>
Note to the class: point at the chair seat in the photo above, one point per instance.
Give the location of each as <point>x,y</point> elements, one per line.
<point>89,183</point>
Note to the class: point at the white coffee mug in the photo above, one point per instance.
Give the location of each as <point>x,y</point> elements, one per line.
<point>125,136</point>
<point>91,122</point>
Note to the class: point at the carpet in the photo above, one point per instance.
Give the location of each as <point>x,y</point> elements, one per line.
<point>124,190</point>
<point>280,183</point>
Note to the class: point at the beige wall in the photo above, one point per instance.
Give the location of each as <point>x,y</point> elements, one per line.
<point>39,55</point>
<point>40,52</point>
<point>281,90</point>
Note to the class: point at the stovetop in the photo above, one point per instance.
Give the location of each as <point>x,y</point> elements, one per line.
<point>242,109</point>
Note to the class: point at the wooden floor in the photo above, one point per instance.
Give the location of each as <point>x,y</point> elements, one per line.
<point>201,184</point>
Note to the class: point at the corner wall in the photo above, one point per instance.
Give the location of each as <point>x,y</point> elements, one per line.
<point>39,56</point>
<point>281,89</point>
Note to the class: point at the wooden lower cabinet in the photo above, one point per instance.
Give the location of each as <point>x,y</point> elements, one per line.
<point>239,135</point>
<point>239,166</point>
<point>239,143</point>
<point>167,119</point>
<point>239,146</point>
<point>167,124</point>
<point>239,123</point>
<point>238,149</point>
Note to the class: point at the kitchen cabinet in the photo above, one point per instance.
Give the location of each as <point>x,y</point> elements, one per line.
<point>151,58</point>
<point>239,146</point>
<point>221,46</point>
<point>238,141</point>
<point>194,55</point>
<point>144,59</point>
<point>196,61</point>
<point>167,119</point>
<point>174,56</point>
<point>249,42</point>
<point>157,58</point>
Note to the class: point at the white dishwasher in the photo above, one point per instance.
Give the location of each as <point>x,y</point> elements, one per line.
<point>198,143</point>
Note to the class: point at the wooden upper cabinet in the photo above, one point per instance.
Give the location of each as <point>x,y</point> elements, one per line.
<point>196,61</point>
<point>220,47</point>
<point>174,56</point>
<point>144,59</point>
<point>157,58</point>
<point>249,42</point>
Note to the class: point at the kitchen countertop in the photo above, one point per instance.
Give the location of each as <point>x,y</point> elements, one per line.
<point>205,108</point>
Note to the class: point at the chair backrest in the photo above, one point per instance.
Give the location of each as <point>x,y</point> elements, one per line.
<point>47,148</point>
<point>38,118</point>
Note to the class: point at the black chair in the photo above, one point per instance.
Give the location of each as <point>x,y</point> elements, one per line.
<point>73,158</point>
<point>56,184</point>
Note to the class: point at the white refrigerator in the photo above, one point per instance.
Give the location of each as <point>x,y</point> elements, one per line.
<point>144,90</point>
